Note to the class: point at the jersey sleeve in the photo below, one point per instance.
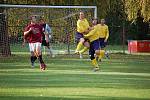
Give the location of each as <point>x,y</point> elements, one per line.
<point>48,29</point>
<point>26,37</point>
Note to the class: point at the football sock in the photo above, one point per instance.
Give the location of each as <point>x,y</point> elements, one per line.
<point>84,50</point>
<point>40,59</point>
<point>80,44</point>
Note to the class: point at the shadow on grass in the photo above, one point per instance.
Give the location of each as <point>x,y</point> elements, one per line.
<point>78,97</point>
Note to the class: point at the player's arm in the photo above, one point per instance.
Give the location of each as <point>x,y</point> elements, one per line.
<point>46,33</point>
<point>27,32</point>
<point>49,31</point>
<point>88,30</point>
<point>107,34</point>
<point>92,32</point>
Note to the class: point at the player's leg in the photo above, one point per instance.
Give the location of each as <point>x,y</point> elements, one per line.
<point>101,52</point>
<point>106,52</point>
<point>49,47</point>
<point>80,40</point>
<point>33,56</point>
<point>39,54</point>
<point>92,56</point>
<point>86,47</point>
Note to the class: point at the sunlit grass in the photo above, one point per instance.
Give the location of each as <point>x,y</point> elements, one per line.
<point>123,77</point>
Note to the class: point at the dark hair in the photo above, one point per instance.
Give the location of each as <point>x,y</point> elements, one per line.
<point>96,19</point>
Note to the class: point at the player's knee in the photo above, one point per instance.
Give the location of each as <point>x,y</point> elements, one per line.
<point>97,52</point>
<point>82,40</point>
<point>87,44</point>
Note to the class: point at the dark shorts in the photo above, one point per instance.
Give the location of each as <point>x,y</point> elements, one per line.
<point>78,36</point>
<point>102,43</point>
<point>44,43</point>
<point>95,45</point>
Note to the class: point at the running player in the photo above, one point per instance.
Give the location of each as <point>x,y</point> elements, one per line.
<point>33,32</point>
<point>103,37</point>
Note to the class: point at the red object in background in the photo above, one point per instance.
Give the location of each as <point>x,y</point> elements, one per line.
<point>135,46</point>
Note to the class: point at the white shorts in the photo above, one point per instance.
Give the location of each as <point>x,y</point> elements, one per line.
<point>35,47</point>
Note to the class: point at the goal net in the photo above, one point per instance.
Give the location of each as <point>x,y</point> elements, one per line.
<point>61,19</point>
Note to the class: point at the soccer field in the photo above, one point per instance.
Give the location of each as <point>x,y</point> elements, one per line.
<point>123,77</point>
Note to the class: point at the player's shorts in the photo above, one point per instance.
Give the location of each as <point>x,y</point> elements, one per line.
<point>95,45</point>
<point>44,43</point>
<point>78,36</point>
<point>102,43</point>
<point>35,46</point>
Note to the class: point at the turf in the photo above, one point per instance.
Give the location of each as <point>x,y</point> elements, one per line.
<point>123,77</point>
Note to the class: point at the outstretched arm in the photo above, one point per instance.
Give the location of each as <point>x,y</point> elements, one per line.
<point>27,32</point>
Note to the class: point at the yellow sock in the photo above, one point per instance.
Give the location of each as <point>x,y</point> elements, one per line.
<point>102,54</point>
<point>80,44</point>
<point>84,50</point>
<point>94,63</point>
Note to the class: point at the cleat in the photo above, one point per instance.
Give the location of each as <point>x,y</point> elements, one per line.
<point>96,69</point>
<point>32,65</point>
<point>76,52</point>
<point>107,55</point>
<point>81,56</point>
<point>42,66</point>
<point>53,56</point>
<point>99,60</point>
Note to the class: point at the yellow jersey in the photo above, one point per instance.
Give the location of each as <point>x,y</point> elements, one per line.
<point>82,25</point>
<point>93,34</point>
<point>104,32</point>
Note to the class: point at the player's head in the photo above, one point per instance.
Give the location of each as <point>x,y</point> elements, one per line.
<point>94,21</point>
<point>81,15</point>
<point>41,20</point>
<point>102,21</point>
<point>33,19</point>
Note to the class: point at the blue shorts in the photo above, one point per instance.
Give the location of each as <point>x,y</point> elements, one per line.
<point>78,36</point>
<point>102,43</point>
<point>95,45</point>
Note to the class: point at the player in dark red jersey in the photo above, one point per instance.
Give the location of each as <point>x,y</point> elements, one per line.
<point>33,34</point>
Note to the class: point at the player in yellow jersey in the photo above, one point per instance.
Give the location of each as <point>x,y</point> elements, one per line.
<point>93,37</point>
<point>103,37</point>
<point>83,27</point>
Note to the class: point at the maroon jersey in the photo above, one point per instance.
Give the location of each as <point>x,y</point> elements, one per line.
<point>35,34</point>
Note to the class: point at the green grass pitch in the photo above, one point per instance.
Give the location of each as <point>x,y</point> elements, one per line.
<point>123,77</point>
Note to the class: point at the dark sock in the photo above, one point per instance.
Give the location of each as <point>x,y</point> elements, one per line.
<point>35,58</point>
<point>32,59</point>
<point>40,59</point>
<point>92,57</point>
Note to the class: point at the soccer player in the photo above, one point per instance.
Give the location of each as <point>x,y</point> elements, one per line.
<point>82,28</point>
<point>46,36</point>
<point>93,37</point>
<point>34,34</point>
<point>103,37</point>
